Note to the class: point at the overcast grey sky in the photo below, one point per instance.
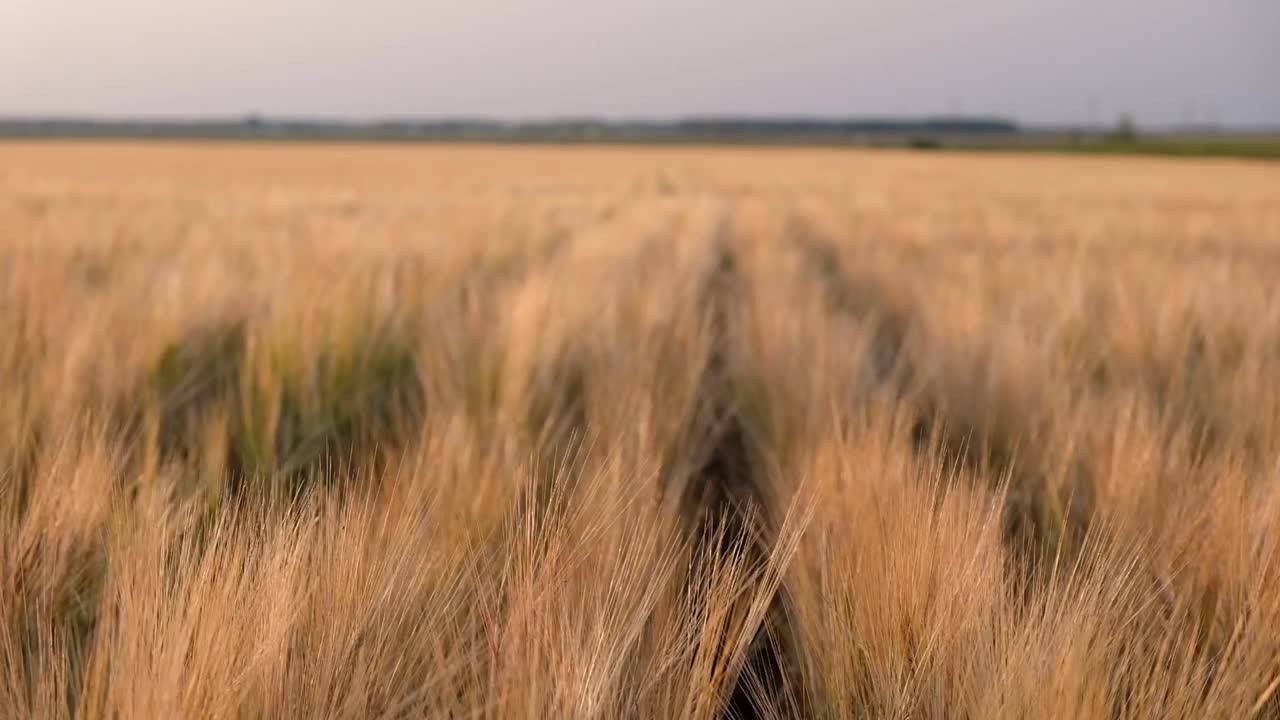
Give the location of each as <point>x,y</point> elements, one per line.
<point>1165,61</point>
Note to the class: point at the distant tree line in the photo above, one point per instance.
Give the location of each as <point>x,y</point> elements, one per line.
<point>711,129</point>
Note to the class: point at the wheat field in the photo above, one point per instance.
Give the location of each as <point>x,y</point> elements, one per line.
<point>327,431</point>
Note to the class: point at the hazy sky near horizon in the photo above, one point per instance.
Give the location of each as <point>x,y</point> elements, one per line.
<point>1045,61</point>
